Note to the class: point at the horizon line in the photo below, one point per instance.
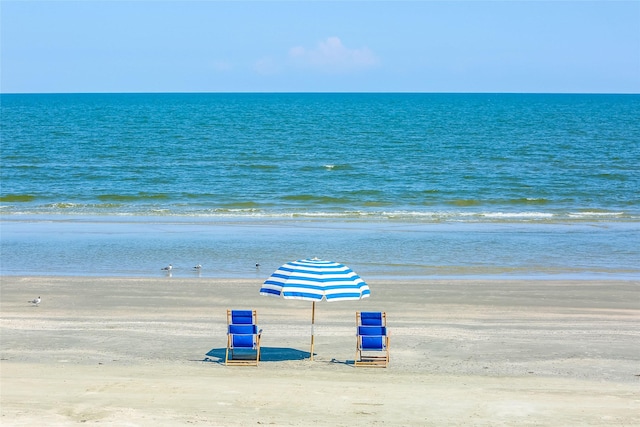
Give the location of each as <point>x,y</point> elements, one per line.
<point>316,92</point>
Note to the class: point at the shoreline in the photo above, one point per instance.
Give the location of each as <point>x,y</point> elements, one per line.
<point>189,274</point>
<point>441,218</point>
<point>145,351</point>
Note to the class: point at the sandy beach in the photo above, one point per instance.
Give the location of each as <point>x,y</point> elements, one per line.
<point>146,352</point>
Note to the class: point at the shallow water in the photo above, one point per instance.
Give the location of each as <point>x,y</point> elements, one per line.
<point>141,246</point>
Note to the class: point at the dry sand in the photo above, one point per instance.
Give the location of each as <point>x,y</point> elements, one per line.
<point>146,352</point>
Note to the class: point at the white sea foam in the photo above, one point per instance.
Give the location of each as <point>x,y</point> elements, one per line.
<point>594,214</point>
<point>516,215</point>
<point>420,216</point>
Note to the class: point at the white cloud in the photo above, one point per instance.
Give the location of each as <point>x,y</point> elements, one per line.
<point>331,55</point>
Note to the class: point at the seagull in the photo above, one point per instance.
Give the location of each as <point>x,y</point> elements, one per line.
<point>167,268</point>
<point>35,301</point>
<point>257,265</point>
<point>197,267</point>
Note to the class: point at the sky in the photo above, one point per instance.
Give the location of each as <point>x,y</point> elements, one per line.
<point>320,46</point>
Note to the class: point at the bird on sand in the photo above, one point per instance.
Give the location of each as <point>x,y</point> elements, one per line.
<point>35,301</point>
<point>167,268</point>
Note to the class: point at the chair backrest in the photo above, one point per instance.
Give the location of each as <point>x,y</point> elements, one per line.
<point>242,317</point>
<point>372,318</point>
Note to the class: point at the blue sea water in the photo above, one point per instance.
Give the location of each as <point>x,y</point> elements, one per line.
<point>419,185</point>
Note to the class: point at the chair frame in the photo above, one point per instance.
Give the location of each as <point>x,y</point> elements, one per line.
<point>364,356</point>
<point>244,357</point>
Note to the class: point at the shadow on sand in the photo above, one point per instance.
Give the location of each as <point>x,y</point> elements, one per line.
<point>267,354</point>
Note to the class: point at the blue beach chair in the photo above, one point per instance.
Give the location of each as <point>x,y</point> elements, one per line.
<point>243,338</point>
<point>372,346</point>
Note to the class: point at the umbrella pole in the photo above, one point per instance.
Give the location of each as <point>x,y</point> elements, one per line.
<point>313,321</point>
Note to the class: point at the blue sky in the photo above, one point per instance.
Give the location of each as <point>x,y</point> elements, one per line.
<point>318,46</point>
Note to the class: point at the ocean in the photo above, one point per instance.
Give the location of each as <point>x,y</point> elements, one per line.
<point>393,185</point>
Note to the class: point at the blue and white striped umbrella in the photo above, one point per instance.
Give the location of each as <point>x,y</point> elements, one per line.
<point>315,280</point>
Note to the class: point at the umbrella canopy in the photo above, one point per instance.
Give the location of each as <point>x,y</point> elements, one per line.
<point>315,280</point>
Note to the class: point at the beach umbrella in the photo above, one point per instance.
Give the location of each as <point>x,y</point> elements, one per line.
<point>315,280</point>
